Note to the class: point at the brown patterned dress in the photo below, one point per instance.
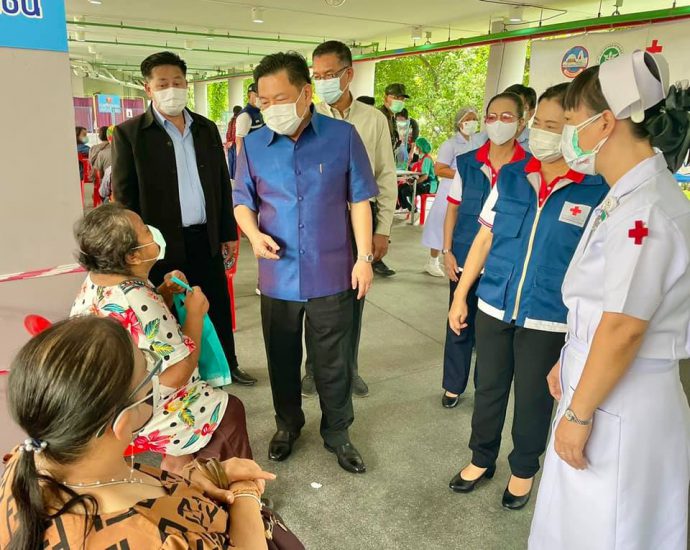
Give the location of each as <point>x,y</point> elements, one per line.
<point>183,519</point>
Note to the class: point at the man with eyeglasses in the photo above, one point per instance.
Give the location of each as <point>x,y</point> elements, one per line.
<point>333,73</point>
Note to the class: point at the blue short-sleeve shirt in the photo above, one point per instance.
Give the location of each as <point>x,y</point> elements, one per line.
<point>301,190</point>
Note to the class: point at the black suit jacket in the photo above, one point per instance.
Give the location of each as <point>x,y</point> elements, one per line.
<point>144,179</point>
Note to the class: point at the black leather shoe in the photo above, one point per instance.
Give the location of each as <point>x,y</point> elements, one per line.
<point>348,457</point>
<point>512,502</point>
<point>281,445</point>
<point>460,485</point>
<point>450,402</point>
<point>382,269</point>
<point>242,378</point>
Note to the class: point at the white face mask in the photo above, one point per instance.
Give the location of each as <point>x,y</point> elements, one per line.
<point>329,89</point>
<point>545,145</point>
<point>159,240</point>
<point>577,159</point>
<point>469,127</point>
<point>283,119</point>
<point>500,132</point>
<point>170,101</point>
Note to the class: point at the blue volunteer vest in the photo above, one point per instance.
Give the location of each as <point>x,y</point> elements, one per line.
<point>532,276</point>
<point>475,190</point>
<point>255,114</point>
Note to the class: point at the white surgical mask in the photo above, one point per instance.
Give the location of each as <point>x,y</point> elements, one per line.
<point>397,105</point>
<point>283,119</point>
<point>545,145</point>
<point>329,89</point>
<point>500,132</point>
<point>170,101</point>
<point>577,159</point>
<point>469,127</point>
<point>159,240</point>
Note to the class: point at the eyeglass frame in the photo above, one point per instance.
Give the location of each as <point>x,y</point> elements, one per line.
<point>339,73</point>
<point>157,367</point>
<point>513,117</point>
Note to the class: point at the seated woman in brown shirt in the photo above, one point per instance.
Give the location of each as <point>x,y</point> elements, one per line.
<point>81,391</point>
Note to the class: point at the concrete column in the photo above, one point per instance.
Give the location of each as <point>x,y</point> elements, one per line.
<point>78,86</point>
<point>200,98</point>
<point>506,64</point>
<point>236,91</point>
<point>363,84</point>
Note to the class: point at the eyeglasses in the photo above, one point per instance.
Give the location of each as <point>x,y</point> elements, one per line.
<point>157,365</point>
<point>329,76</point>
<point>506,117</point>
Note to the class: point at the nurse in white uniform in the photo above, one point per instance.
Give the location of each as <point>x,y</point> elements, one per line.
<point>617,470</point>
<point>465,139</point>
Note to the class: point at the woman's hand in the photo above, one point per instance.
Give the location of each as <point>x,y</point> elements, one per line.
<point>169,286</point>
<point>241,472</point>
<point>457,315</point>
<point>451,264</point>
<point>196,302</point>
<point>554,381</point>
<point>570,440</point>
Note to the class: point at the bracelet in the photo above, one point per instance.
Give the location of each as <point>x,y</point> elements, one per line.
<point>249,495</point>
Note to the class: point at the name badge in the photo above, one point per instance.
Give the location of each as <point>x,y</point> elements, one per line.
<point>575,214</point>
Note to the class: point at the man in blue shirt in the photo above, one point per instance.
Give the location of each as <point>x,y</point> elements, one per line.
<point>295,179</point>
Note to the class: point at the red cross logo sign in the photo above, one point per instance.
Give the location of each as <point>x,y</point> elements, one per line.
<point>576,211</point>
<point>655,47</point>
<point>638,233</point>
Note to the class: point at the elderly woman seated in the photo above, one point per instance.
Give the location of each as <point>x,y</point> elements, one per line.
<point>118,251</point>
<point>81,391</point>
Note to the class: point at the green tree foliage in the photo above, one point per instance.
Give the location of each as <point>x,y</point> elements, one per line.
<point>439,84</point>
<point>190,96</point>
<point>217,97</point>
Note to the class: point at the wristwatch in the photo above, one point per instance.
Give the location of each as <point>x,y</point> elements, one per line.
<point>369,258</point>
<point>570,416</point>
<point>445,251</point>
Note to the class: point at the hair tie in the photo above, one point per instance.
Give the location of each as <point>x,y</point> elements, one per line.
<point>33,445</point>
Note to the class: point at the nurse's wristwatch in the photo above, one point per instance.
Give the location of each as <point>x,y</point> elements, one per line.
<point>369,258</point>
<point>570,416</point>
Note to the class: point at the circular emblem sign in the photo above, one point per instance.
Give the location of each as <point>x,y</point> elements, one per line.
<point>575,61</point>
<point>609,52</point>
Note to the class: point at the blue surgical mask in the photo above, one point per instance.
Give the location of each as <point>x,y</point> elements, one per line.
<point>328,89</point>
<point>159,240</point>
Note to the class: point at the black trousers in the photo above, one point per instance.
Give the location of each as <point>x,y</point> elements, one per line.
<point>507,351</point>
<point>457,352</point>
<point>328,327</point>
<point>205,269</point>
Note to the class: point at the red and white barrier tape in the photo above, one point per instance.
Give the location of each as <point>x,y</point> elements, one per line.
<point>39,273</point>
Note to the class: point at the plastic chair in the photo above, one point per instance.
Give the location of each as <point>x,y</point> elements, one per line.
<point>230,274</point>
<point>422,210</point>
<point>97,200</point>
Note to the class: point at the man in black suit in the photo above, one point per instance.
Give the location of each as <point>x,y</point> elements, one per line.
<point>169,167</point>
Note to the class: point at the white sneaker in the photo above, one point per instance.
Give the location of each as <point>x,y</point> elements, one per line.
<point>433,268</point>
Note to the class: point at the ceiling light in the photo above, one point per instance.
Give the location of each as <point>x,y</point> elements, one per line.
<point>96,2</point>
<point>92,49</point>
<point>78,20</point>
<point>515,14</point>
<point>79,36</point>
<point>257,15</point>
<point>335,3</point>
<point>416,33</point>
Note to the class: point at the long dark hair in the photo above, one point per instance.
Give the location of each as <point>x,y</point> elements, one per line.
<point>78,130</point>
<point>666,125</point>
<point>64,385</point>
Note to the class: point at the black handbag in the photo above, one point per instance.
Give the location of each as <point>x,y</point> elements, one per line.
<point>278,536</point>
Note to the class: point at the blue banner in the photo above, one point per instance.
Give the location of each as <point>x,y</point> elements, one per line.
<point>33,25</point>
<point>108,103</point>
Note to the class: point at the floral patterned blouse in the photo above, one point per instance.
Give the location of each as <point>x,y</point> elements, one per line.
<point>185,418</point>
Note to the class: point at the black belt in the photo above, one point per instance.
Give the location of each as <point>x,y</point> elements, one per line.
<point>195,228</point>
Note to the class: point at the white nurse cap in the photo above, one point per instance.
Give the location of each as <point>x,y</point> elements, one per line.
<point>628,85</point>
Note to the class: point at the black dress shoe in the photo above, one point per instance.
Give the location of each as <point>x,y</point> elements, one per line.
<point>512,502</point>
<point>348,457</point>
<point>450,402</point>
<point>460,485</point>
<point>281,445</point>
<point>242,378</point>
<point>382,269</point>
